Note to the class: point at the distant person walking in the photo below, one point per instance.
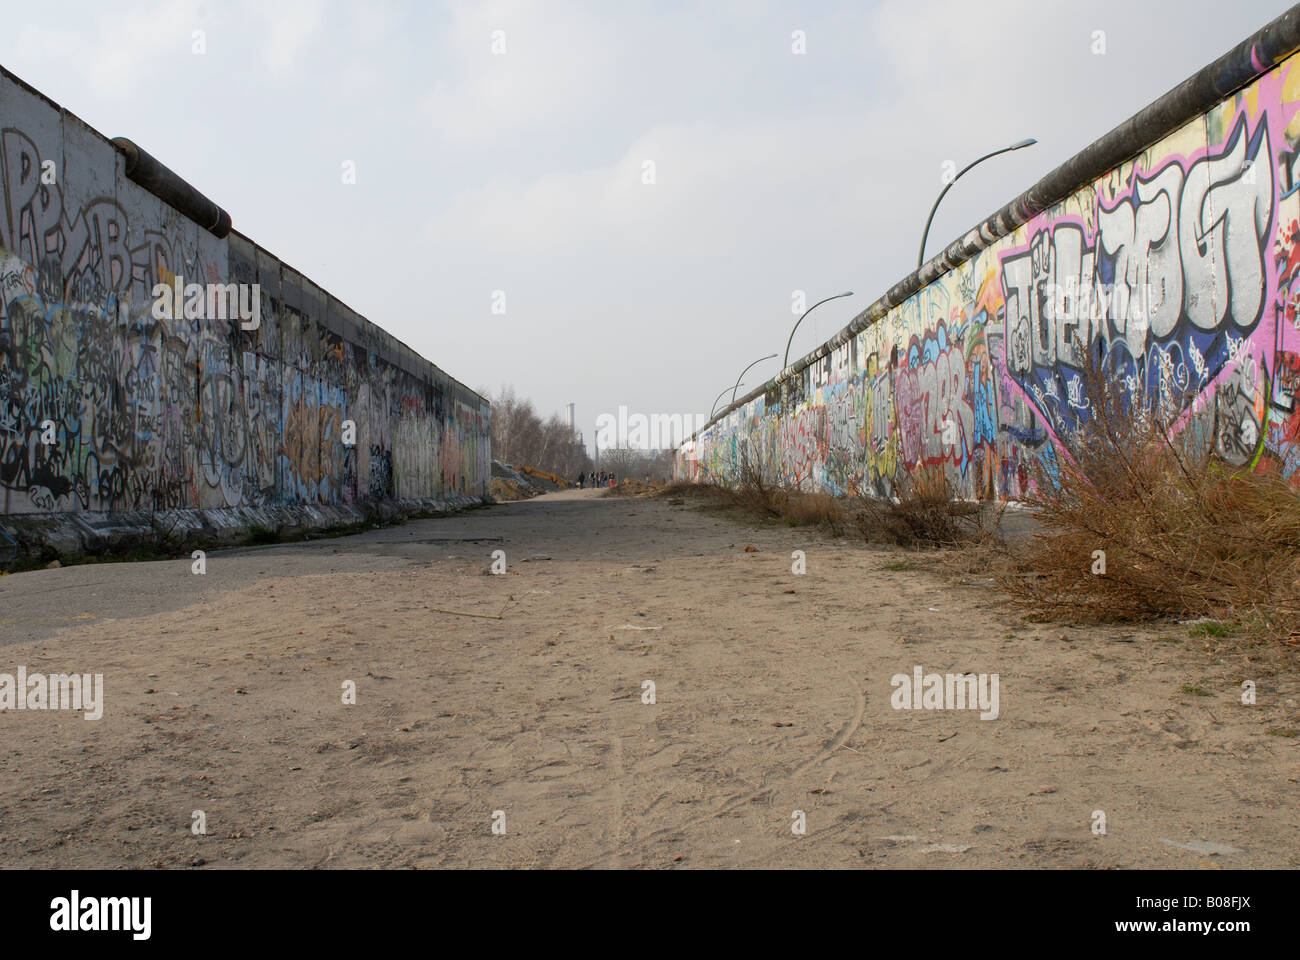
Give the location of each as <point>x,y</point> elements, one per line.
<point>580,476</point>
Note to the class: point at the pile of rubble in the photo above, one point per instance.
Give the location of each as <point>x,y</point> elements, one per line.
<point>509,484</point>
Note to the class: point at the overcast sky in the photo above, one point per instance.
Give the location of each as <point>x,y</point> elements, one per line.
<point>522,171</point>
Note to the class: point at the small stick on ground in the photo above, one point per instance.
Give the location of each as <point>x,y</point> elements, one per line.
<point>460,613</point>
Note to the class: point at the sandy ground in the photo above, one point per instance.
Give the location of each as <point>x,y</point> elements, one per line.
<point>772,695</point>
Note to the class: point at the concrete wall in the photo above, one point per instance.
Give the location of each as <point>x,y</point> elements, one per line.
<point>1204,224</point>
<point>158,415</point>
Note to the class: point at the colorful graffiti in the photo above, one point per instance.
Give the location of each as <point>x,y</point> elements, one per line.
<point>1179,268</point>
<point>104,407</point>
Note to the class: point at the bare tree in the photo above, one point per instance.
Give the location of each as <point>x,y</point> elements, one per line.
<point>520,437</point>
<point>636,463</point>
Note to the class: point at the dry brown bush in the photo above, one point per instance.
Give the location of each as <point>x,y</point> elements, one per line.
<point>814,510</point>
<point>926,511</point>
<point>759,492</point>
<point>758,487</point>
<point>678,487</point>
<point>1182,533</point>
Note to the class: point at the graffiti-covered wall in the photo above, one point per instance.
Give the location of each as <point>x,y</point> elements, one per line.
<point>1178,266</point>
<point>105,406</point>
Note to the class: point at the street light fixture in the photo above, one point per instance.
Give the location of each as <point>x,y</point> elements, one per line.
<point>770,356</point>
<point>920,257</point>
<point>720,396</point>
<point>786,361</point>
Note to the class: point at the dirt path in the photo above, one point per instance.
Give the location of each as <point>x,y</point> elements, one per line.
<point>772,695</point>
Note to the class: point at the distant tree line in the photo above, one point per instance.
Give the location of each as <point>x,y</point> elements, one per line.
<point>654,465</point>
<point>520,437</point>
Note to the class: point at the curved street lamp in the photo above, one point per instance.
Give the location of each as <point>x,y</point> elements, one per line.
<point>745,371</point>
<point>720,396</point>
<point>786,361</point>
<point>920,257</point>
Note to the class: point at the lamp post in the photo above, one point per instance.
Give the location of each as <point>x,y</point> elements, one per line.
<point>786,361</point>
<point>720,396</point>
<point>745,371</point>
<point>920,257</point>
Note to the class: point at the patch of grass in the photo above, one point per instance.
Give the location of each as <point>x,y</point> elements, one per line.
<point>1211,628</point>
<point>897,565</point>
<point>135,555</point>
<point>1193,690</point>
<point>925,512</point>
<point>260,535</point>
<point>1283,732</point>
<point>758,498</point>
<point>813,510</point>
<point>632,489</point>
<point>681,488</point>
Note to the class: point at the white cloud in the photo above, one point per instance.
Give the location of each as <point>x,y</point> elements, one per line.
<point>553,70</point>
<point>124,51</point>
<point>288,26</point>
<point>717,189</point>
